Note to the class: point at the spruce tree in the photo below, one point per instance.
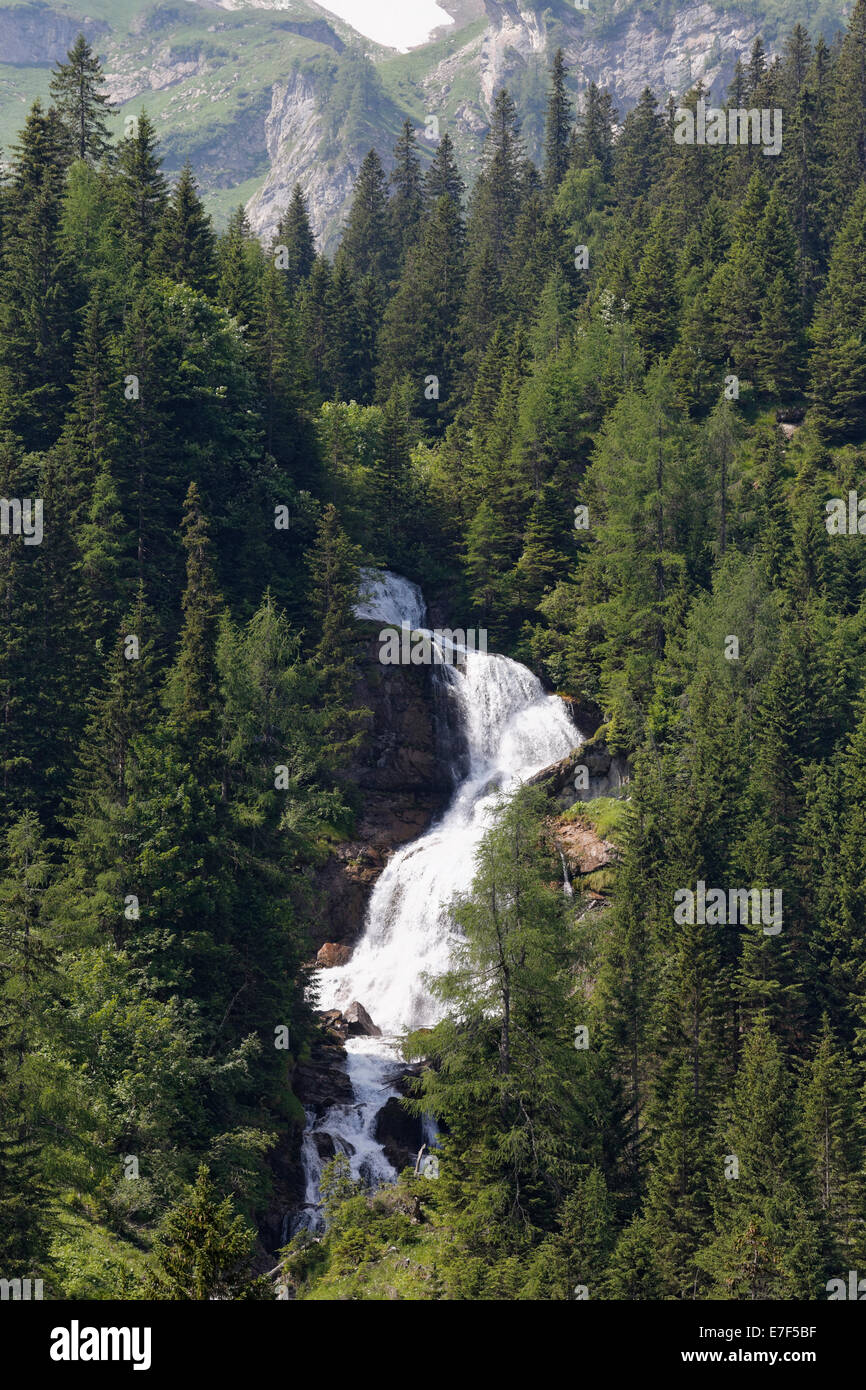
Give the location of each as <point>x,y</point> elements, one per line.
<point>203,1250</point>
<point>366,245</point>
<point>184,248</point>
<point>838,360</point>
<point>407,197</point>
<point>295,234</point>
<point>82,103</point>
<point>140,190</point>
<point>557,129</point>
<point>442,179</point>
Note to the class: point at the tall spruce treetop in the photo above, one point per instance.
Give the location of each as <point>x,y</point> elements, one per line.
<point>739,85</point>
<point>296,235</point>
<point>757,65</point>
<point>798,56</point>
<point>192,691</point>
<point>237,260</point>
<point>407,199</point>
<point>497,195</point>
<point>366,244</point>
<point>185,244</point>
<point>595,125</point>
<point>557,130</point>
<point>443,179</point>
<point>839,358</point>
<point>140,188</point>
<point>83,105</point>
<point>849,120</point>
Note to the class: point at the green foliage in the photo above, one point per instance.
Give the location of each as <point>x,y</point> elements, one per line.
<point>179,679</point>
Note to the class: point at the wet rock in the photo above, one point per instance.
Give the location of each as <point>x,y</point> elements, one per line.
<point>607,774</point>
<point>401,776</point>
<point>325,1146</point>
<point>584,850</point>
<point>359,1023</point>
<point>323,1081</point>
<point>400,1134</point>
<point>331,954</point>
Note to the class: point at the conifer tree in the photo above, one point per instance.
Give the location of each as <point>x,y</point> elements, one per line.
<point>765,1245</point>
<point>557,129</point>
<point>838,361</point>
<point>140,190</point>
<point>407,197</point>
<point>203,1250</point>
<point>366,244</point>
<point>442,178</point>
<point>38,291</point>
<point>849,111</point>
<point>77,87</point>
<point>184,248</point>
<point>27,965</point>
<point>238,262</point>
<point>296,235</point>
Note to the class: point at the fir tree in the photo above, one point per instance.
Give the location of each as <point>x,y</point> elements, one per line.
<point>295,234</point>
<point>82,103</point>
<point>185,245</point>
<point>203,1249</point>
<point>557,130</point>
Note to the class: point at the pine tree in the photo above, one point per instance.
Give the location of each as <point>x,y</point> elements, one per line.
<point>82,103</point>
<point>184,248</point>
<point>557,129</point>
<point>295,234</point>
<point>407,198</point>
<point>203,1250</point>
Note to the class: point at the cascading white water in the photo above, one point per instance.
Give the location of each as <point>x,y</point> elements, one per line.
<point>512,729</point>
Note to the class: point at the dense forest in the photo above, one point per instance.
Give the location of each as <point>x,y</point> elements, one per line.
<point>665,343</point>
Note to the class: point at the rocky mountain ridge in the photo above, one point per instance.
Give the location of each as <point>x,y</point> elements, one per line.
<point>261,94</point>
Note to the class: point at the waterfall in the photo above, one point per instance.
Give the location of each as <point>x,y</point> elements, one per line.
<point>511,729</point>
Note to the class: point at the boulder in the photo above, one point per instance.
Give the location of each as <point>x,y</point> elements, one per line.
<point>331,954</point>
<point>358,1022</point>
<point>399,1133</point>
<point>325,1146</point>
<point>323,1081</point>
<point>584,849</point>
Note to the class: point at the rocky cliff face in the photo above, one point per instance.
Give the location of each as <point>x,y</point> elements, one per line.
<point>35,34</point>
<point>295,132</point>
<point>403,779</point>
<point>261,94</point>
<point>514,49</point>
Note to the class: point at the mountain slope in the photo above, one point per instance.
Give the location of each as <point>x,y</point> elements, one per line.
<point>260,96</point>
